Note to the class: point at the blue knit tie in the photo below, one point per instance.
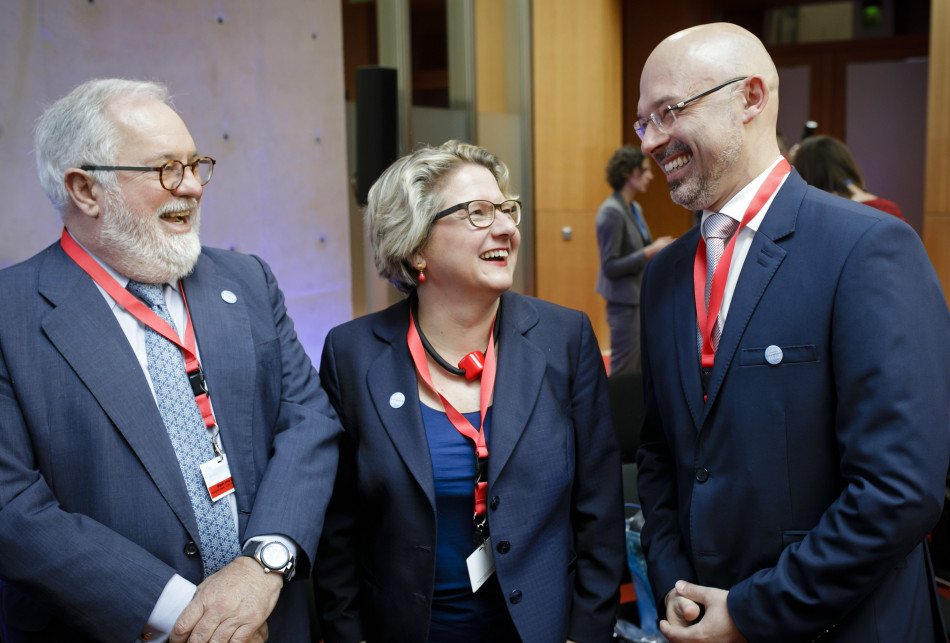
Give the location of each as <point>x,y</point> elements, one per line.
<point>189,436</point>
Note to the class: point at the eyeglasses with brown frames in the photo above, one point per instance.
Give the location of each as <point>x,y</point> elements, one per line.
<point>171,174</point>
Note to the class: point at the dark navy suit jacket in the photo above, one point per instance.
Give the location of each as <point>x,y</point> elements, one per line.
<point>94,515</point>
<point>554,481</point>
<point>805,487</point>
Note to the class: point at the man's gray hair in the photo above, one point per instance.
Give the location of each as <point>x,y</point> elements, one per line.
<point>405,199</point>
<point>76,130</point>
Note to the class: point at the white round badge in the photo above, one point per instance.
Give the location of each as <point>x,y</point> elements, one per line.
<point>228,296</point>
<point>773,355</point>
<point>396,400</point>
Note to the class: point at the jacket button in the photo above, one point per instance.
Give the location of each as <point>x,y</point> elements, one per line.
<point>503,547</point>
<point>702,475</point>
<point>515,596</point>
<point>494,502</point>
<point>191,549</point>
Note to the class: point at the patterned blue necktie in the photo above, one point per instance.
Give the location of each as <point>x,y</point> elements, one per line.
<point>189,436</point>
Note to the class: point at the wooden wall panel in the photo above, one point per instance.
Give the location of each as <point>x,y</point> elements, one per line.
<point>491,56</point>
<point>936,233</point>
<point>640,37</point>
<point>577,80</point>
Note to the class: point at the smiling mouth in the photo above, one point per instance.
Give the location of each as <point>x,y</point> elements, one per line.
<point>494,255</point>
<point>677,163</point>
<point>176,217</point>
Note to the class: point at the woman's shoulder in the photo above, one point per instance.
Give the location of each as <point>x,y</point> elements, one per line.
<point>386,321</point>
<point>548,312</point>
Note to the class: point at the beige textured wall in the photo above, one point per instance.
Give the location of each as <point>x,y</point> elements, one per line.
<point>260,86</point>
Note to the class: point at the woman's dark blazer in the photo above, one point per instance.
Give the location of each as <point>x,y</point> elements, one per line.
<point>555,509</point>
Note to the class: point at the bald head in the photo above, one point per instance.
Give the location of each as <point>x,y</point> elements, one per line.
<point>726,136</point>
<point>717,50</point>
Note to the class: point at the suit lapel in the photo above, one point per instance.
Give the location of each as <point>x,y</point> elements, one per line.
<point>226,350</point>
<point>685,328</point>
<point>84,330</point>
<point>519,362</point>
<point>763,260</point>
<point>393,373</point>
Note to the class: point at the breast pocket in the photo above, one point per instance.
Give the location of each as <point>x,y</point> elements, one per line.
<point>775,355</point>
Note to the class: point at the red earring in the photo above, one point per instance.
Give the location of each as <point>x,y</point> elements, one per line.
<point>422,275</point>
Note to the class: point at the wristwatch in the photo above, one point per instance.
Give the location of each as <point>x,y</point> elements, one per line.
<point>273,556</point>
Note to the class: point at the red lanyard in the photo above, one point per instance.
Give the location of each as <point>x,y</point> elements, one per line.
<point>461,424</point>
<point>707,322</point>
<point>144,314</point>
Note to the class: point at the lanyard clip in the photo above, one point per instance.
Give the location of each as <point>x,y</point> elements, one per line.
<point>481,529</point>
<point>217,449</point>
<point>198,383</point>
<point>481,470</point>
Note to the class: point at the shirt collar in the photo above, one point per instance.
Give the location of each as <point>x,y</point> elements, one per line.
<point>736,206</point>
<point>122,279</point>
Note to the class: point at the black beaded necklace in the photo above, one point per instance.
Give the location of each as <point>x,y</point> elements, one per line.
<point>469,366</point>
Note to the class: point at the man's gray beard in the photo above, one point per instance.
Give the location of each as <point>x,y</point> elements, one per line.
<point>699,192</point>
<point>137,246</point>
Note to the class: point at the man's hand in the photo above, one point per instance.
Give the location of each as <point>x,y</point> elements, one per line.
<point>682,610</point>
<point>230,605</point>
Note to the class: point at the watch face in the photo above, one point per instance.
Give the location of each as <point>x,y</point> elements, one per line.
<point>275,555</point>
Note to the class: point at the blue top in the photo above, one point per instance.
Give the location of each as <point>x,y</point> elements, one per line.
<point>458,615</point>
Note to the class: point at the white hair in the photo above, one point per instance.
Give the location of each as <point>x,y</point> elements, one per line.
<point>76,130</point>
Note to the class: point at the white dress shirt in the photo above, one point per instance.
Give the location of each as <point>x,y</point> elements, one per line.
<point>735,209</point>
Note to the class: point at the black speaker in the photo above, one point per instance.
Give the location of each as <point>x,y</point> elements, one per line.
<point>377,128</point>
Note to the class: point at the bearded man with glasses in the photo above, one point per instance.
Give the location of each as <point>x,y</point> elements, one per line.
<point>796,434</point>
<point>158,417</point>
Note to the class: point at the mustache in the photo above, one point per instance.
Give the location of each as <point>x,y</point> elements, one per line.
<point>178,205</point>
<point>673,148</point>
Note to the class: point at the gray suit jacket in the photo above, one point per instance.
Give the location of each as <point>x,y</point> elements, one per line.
<point>94,514</point>
<point>621,244</point>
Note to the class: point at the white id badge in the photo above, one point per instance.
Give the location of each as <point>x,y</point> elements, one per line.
<point>481,565</point>
<point>217,475</point>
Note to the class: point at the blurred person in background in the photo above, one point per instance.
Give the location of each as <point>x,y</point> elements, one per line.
<point>827,164</point>
<point>626,246</point>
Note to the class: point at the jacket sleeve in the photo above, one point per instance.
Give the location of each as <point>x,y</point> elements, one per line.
<point>597,499</point>
<point>302,461</point>
<point>663,543</point>
<point>336,580</point>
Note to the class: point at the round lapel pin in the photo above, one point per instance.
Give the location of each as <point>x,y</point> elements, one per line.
<point>773,355</point>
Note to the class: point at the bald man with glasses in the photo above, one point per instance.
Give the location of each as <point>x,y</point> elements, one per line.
<point>796,366</point>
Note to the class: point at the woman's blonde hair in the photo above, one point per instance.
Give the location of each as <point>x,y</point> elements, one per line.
<point>405,199</point>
